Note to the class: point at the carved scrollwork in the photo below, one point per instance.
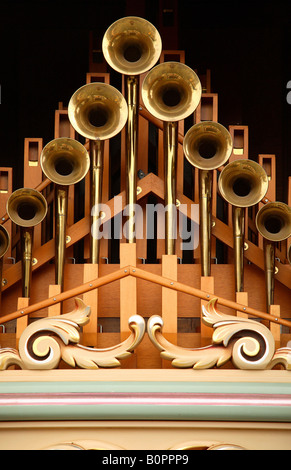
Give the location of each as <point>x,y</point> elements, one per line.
<point>84,445</point>
<point>249,344</point>
<point>206,445</point>
<point>45,342</point>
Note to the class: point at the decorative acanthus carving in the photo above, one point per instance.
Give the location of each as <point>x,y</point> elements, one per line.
<point>45,342</point>
<point>248,343</point>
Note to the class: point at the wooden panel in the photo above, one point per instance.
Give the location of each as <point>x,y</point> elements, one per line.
<point>54,310</point>
<point>6,188</point>
<point>207,285</point>
<point>275,329</point>
<point>172,55</point>
<point>207,110</point>
<point>93,77</point>
<point>32,175</point>
<point>128,295</point>
<point>91,299</point>
<point>170,298</point>
<point>240,137</point>
<point>63,127</point>
<point>21,323</point>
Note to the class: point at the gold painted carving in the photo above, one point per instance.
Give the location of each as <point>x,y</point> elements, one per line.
<point>98,445</point>
<point>247,343</point>
<point>45,342</point>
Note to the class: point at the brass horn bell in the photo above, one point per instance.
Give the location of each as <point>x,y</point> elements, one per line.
<point>65,162</point>
<point>273,222</point>
<point>4,245</point>
<point>171,91</point>
<point>26,208</point>
<point>131,46</point>
<point>207,146</point>
<point>242,183</point>
<point>97,111</point>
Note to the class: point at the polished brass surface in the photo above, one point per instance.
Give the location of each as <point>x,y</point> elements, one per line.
<point>4,245</point>
<point>171,91</point>
<point>97,111</point>
<point>4,241</point>
<point>26,208</point>
<point>238,224</point>
<point>132,45</point>
<point>132,97</point>
<point>273,222</point>
<point>96,173</point>
<point>207,146</point>
<point>65,162</point>
<point>242,183</point>
<point>170,152</point>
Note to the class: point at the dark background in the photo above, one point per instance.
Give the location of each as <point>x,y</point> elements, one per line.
<point>44,50</point>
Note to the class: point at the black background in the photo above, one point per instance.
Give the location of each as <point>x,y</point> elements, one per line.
<point>44,58</point>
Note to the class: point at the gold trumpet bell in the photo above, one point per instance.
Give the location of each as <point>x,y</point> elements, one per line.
<point>26,207</point>
<point>273,221</point>
<point>4,242</point>
<point>171,91</point>
<point>243,183</point>
<point>65,161</point>
<point>207,145</point>
<point>97,111</point>
<point>132,45</point>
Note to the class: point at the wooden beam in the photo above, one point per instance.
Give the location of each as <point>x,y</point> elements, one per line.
<point>178,286</point>
<point>87,287</point>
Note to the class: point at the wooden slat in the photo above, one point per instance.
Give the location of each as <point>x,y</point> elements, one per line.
<point>54,310</point>
<point>128,293</point>
<point>275,328</point>
<point>170,299</point>
<point>207,285</point>
<point>21,322</point>
<point>75,292</point>
<point>6,188</point>
<point>32,176</point>
<point>240,137</point>
<point>242,298</point>
<point>205,295</point>
<point>91,298</point>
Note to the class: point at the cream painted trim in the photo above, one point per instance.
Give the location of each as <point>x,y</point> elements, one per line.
<point>137,375</point>
<point>144,435</point>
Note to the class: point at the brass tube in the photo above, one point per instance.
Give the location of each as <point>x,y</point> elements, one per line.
<point>238,221</point>
<point>1,273</point>
<point>205,197</point>
<point>61,210</point>
<point>269,258</point>
<point>96,160</point>
<point>132,93</point>
<point>26,265</point>
<point>170,158</point>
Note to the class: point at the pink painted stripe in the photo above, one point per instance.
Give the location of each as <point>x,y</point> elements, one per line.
<point>153,399</point>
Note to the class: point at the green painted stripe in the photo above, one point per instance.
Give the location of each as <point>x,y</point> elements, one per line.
<point>149,387</point>
<point>144,412</point>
